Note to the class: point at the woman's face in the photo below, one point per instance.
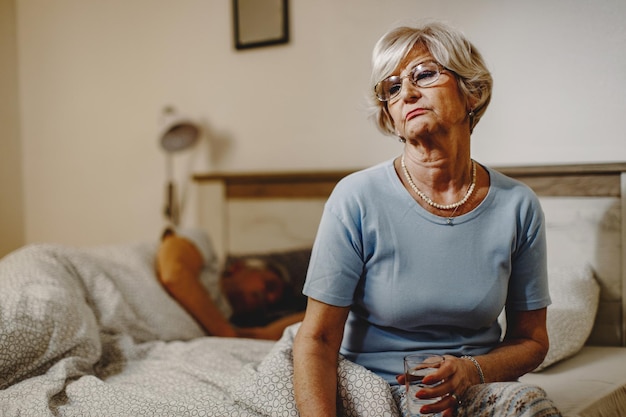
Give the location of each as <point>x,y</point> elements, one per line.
<point>437,109</point>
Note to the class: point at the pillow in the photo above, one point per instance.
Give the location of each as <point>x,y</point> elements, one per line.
<point>575,295</point>
<point>127,296</point>
<point>292,263</point>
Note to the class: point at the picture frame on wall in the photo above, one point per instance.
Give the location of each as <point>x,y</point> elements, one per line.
<point>260,23</point>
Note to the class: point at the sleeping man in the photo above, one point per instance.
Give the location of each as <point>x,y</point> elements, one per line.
<point>252,297</point>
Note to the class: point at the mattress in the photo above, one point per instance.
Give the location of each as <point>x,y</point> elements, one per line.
<point>590,384</point>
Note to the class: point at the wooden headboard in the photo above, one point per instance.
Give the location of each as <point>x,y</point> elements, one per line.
<point>584,204</point>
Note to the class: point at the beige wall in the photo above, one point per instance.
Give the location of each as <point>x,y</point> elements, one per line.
<point>11,196</point>
<point>94,77</point>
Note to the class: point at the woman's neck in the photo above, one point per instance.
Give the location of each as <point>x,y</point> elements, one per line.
<point>438,170</point>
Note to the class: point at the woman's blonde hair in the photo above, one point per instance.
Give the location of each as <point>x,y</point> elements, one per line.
<point>449,47</point>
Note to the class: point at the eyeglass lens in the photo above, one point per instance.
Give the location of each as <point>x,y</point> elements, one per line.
<point>422,75</point>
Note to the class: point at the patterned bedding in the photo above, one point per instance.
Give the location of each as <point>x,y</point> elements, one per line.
<point>90,332</point>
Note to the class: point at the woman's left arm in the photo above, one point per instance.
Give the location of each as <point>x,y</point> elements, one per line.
<point>523,349</point>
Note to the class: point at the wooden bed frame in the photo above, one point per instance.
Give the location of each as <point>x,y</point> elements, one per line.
<point>585,206</point>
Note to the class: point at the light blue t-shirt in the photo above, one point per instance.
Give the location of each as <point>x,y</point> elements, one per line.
<point>416,283</point>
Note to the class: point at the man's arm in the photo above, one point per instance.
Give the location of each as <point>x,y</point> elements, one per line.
<point>272,331</point>
<point>178,268</point>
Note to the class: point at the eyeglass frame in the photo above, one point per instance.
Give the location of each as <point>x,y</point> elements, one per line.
<point>440,69</point>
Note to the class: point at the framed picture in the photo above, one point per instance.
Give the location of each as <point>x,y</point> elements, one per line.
<point>260,23</point>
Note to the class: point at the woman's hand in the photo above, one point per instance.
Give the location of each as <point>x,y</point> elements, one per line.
<point>454,376</point>
<point>524,347</point>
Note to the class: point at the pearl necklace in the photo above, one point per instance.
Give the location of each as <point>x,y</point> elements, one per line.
<point>428,200</point>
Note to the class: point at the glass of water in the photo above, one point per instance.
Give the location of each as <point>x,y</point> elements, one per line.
<point>416,367</point>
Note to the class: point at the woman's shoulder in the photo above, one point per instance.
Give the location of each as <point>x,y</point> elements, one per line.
<point>372,176</point>
<point>502,182</point>
<point>364,187</point>
<point>512,191</point>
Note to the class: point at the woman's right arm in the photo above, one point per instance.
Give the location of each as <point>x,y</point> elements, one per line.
<point>315,354</point>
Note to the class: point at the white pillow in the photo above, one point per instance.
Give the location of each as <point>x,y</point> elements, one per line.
<point>575,295</point>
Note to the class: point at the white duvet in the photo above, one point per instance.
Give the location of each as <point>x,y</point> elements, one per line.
<point>90,332</point>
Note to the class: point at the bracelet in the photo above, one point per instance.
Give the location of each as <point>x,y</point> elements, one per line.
<point>477,365</point>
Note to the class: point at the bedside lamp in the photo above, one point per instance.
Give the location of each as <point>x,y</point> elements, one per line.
<point>178,133</point>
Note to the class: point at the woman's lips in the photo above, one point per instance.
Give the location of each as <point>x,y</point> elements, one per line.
<point>414,113</point>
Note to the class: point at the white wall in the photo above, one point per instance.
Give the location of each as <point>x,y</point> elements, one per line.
<point>95,76</point>
<point>11,196</point>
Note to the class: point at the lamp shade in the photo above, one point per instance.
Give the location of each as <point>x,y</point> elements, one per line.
<point>178,134</point>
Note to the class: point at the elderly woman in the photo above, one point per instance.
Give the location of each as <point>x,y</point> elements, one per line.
<point>423,252</point>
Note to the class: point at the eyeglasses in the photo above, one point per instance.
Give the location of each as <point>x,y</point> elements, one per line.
<point>421,75</point>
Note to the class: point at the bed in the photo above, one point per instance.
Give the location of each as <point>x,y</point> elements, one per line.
<point>90,331</point>
<point>585,371</point>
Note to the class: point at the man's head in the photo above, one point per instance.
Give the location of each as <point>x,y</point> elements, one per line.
<point>252,285</point>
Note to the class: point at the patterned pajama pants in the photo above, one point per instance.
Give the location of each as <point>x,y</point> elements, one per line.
<point>499,399</point>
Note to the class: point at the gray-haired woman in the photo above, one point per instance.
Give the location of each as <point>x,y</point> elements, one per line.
<point>423,252</point>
